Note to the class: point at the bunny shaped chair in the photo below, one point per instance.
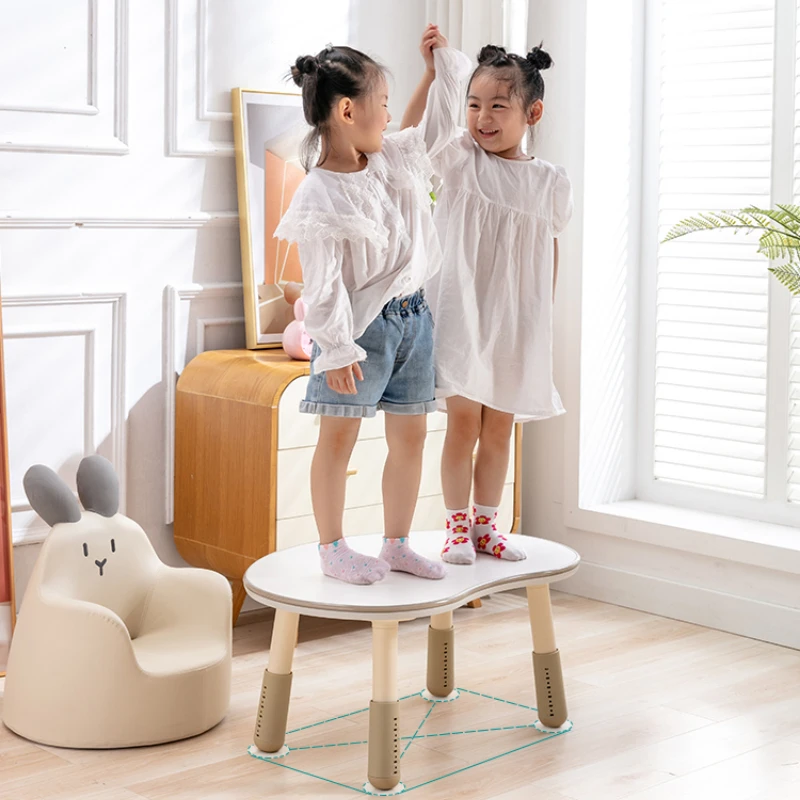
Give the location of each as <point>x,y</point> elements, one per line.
<point>112,648</point>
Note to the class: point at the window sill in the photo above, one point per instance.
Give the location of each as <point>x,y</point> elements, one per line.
<point>758,544</point>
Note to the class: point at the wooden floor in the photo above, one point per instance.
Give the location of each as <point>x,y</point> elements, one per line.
<point>662,711</point>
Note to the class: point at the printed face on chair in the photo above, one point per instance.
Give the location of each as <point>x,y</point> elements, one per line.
<point>100,564</point>
<point>100,559</point>
<point>95,550</point>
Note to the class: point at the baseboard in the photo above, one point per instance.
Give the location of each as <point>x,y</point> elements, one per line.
<point>252,615</point>
<point>712,609</point>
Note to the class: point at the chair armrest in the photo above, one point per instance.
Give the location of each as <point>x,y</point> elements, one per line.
<point>51,627</point>
<point>94,615</point>
<point>188,597</point>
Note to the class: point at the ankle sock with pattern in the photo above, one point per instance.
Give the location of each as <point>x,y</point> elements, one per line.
<point>458,548</point>
<point>397,553</point>
<point>339,561</point>
<point>488,540</point>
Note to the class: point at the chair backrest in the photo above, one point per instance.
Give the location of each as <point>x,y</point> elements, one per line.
<point>108,561</point>
<point>98,555</point>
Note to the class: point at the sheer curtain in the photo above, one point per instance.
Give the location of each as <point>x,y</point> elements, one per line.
<point>470,24</point>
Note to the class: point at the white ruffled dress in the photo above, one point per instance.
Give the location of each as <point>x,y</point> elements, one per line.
<point>367,237</point>
<point>492,300</point>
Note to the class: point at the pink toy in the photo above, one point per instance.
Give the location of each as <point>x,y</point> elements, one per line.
<point>296,341</point>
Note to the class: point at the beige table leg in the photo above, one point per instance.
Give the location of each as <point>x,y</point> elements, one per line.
<point>548,678</point>
<point>273,708</point>
<point>441,655</point>
<point>384,709</point>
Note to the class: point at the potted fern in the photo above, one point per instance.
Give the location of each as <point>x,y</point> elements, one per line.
<point>779,240</point>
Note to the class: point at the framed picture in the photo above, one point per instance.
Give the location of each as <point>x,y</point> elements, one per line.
<point>269,129</point>
<point>7,603</point>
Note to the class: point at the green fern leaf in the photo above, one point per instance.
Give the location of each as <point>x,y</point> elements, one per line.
<point>774,219</point>
<point>777,245</point>
<point>712,220</point>
<point>789,276</point>
<point>792,211</point>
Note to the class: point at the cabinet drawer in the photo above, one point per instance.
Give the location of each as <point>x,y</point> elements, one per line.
<point>301,530</point>
<point>295,429</point>
<point>364,481</point>
<point>428,516</point>
<point>301,430</point>
<point>437,421</point>
<point>369,519</point>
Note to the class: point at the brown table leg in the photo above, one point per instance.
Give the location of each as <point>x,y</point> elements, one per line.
<point>273,707</point>
<point>383,768</point>
<point>441,676</point>
<point>549,681</point>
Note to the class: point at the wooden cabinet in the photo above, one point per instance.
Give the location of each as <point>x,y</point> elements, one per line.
<point>242,458</point>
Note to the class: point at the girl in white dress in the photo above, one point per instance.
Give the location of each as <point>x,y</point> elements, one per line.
<point>498,216</point>
<point>367,244</point>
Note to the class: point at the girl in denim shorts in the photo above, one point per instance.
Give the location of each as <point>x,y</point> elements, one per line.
<point>362,221</point>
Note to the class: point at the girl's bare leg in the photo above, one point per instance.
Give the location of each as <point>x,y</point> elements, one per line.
<point>463,429</point>
<point>337,437</point>
<point>491,466</point>
<point>405,436</point>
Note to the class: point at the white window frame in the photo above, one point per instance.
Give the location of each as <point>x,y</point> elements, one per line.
<point>604,487</point>
<point>773,507</point>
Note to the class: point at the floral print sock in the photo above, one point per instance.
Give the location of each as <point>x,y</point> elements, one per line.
<point>488,540</point>
<point>458,549</point>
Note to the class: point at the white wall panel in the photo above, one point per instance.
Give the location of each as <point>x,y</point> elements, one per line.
<point>64,69</point>
<point>65,379</point>
<point>213,46</point>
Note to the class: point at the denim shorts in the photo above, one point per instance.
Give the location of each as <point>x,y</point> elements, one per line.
<point>398,373</point>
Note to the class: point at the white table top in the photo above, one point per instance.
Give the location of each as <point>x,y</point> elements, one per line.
<point>292,580</point>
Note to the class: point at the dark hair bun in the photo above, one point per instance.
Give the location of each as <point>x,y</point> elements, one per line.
<point>305,65</point>
<point>490,53</point>
<point>539,58</point>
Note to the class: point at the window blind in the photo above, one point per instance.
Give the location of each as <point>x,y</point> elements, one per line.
<point>716,90</point>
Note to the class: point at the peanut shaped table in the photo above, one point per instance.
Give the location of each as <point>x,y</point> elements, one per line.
<point>291,582</point>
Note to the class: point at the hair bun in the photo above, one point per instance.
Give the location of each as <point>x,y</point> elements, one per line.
<point>305,65</point>
<point>539,58</point>
<point>491,52</point>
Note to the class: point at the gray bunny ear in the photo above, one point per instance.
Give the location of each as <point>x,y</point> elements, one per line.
<point>49,496</point>
<point>98,486</point>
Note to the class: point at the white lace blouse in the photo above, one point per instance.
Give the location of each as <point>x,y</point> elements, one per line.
<point>367,237</point>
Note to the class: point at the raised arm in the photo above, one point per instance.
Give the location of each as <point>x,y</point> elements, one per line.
<point>439,126</point>
<point>416,106</point>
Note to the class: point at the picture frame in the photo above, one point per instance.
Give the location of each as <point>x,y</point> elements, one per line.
<point>269,128</point>
<point>7,596</point>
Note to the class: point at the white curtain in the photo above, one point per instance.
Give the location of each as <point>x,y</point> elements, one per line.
<point>470,24</point>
